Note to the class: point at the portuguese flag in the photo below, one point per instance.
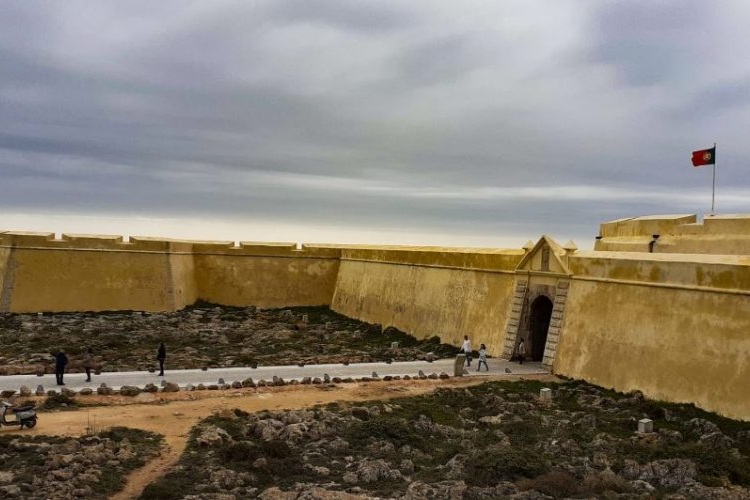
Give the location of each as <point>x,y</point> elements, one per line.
<point>704,157</point>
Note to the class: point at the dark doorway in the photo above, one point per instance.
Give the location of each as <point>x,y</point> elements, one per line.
<point>541,312</point>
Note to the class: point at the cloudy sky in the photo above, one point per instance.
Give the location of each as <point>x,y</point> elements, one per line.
<point>428,122</point>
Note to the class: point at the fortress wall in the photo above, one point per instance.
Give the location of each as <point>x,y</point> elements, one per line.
<point>184,287</point>
<point>715,234</point>
<point>445,292</point>
<point>82,272</point>
<point>266,275</point>
<point>691,270</point>
<point>4,269</point>
<point>678,341</point>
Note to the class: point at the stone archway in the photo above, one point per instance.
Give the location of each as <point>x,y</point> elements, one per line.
<point>541,313</point>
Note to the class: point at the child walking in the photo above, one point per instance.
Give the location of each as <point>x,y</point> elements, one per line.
<point>483,357</point>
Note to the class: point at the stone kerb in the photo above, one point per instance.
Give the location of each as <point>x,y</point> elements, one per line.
<point>131,390</point>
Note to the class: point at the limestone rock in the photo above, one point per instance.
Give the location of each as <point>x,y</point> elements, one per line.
<point>129,390</point>
<point>170,387</point>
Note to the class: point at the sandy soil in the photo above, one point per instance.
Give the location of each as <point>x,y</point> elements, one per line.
<point>174,414</point>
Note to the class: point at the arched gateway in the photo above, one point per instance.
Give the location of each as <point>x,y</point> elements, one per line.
<point>541,313</point>
<point>538,302</point>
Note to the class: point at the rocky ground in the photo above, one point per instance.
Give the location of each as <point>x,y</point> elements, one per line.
<point>497,440</point>
<point>93,466</point>
<point>202,336</point>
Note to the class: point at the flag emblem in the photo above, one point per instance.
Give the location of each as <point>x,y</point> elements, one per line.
<point>704,157</point>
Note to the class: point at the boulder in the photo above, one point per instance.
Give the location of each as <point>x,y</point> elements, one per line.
<point>129,390</point>
<point>171,387</point>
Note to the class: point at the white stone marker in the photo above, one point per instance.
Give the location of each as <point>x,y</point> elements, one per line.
<point>545,394</point>
<point>645,425</point>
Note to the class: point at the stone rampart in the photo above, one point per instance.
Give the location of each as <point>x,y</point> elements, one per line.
<point>715,234</point>
<point>444,292</point>
<point>673,325</point>
<point>675,329</point>
<point>96,273</point>
<point>266,275</point>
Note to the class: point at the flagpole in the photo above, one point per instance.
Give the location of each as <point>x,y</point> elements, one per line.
<point>713,185</point>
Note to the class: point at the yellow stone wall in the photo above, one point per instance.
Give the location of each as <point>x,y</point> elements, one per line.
<point>4,294</point>
<point>183,277</point>
<point>266,275</point>
<point>83,273</point>
<point>715,234</point>
<point>677,331</point>
<point>447,293</point>
<point>100,273</point>
<point>671,323</point>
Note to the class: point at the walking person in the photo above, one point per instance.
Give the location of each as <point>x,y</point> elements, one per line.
<point>521,351</point>
<point>161,355</point>
<point>483,357</point>
<point>60,361</point>
<point>88,363</point>
<point>466,349</point>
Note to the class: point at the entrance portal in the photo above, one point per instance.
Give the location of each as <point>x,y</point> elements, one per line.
<point>541,312</point>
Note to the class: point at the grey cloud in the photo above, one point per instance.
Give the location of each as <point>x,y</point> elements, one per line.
<point>356,16</point>
<point>441,60</point>
<point>650,42</point>
<point>217,109</point>
<point>715,100</point>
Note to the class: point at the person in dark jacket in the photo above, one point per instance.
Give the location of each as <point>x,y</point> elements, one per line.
<point>60,361</point>
<point>161,355</point>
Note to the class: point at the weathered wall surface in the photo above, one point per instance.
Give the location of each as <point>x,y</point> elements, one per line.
<point>715,234</point>
<point>677,331</point>
<point>184,286</point>
<point>98,273</point>
<point>445,292</point>
<point>4,270</point>
<point>674,325</point>
<point>266,275</point>
<point>83,273</point>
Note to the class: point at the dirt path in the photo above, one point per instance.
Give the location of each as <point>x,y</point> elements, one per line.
<point>173,415</point>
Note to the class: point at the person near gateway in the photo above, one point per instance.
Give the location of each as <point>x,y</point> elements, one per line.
<point>521,351</point>
<point>466,349</point>
<point>161,356</point>
<point>60,361</point>
<point>483,357</point>
<point>88,363</point>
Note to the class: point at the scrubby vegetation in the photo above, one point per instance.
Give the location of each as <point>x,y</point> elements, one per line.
<point>203,335</point>
<point>94,466</point>
<point>489,441</point>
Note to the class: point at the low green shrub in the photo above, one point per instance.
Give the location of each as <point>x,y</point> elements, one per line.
<point>504,464</point>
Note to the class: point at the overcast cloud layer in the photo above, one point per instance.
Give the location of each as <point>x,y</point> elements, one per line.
<point>413,122</point>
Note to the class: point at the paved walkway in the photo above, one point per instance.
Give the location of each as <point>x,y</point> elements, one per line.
<point>76,381</point>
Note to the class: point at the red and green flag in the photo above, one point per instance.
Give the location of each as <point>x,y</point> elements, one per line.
<point>704,157</point>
